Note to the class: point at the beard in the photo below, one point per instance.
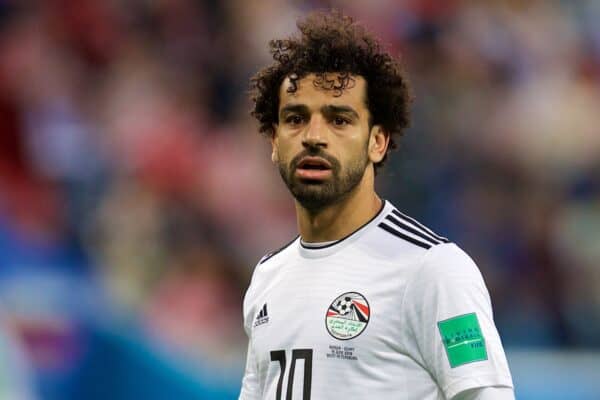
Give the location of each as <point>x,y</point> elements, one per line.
<point>314,195</point>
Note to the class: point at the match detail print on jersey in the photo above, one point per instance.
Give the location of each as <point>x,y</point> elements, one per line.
<point>463,339</point>
<point>347,316</point>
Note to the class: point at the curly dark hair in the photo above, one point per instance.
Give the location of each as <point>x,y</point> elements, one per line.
<point>332,42</point>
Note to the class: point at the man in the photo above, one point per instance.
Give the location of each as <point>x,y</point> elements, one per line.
<point>366,303</point>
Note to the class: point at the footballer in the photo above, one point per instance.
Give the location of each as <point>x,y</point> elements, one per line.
<point>366,303</point>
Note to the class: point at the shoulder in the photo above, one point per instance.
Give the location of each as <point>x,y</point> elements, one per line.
<point>449,261</point>
<point>397,236</point>
<point>268,268</point>
<point>410,230</point>
<point>403,240</point>
<point>270,264</point>
<point>273,253</point>
<point>447,279</point>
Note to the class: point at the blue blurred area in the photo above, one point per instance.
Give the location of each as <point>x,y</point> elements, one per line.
<point>541,375</point>
<point>133,182</point>
<point>122,368</point>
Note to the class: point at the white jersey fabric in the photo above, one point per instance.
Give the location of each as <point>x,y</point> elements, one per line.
<point>393,311</point>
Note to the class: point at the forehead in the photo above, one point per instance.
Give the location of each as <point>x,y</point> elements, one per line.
<point>316,90</point>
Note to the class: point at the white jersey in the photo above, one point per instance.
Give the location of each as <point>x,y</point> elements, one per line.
<point>393,311</point>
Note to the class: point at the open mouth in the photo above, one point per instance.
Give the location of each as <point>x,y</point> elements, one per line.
<point>314,163</point>
<point>313,168</point>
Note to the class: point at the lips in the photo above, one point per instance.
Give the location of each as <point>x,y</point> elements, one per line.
<point>314,163</point>
<point>313,168</point>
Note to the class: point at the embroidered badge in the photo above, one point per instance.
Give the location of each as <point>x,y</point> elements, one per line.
<point>347,316</point>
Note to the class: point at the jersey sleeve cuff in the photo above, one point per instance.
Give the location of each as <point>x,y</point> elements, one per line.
<point>473,382</point>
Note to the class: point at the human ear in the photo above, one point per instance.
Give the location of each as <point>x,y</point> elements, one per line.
<point>378,143</point>
<point>274,147</point>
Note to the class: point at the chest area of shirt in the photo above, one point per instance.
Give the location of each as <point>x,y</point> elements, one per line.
<point>344,313</point>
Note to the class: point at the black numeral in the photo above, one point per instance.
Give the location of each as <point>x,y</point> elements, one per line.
<point>297,354</point>
<point>279,355</point>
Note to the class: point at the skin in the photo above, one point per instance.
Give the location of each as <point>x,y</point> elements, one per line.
<point>312,120</point>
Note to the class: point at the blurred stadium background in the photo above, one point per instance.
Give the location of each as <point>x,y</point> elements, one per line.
<point>136,194</point>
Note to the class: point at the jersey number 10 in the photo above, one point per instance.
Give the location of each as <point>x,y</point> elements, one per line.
<point>297,354</point>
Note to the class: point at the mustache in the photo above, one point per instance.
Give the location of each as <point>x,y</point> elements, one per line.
<point>314,152</point>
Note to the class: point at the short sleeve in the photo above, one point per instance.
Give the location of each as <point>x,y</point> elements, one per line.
<point>250,382</point>
<point>448,317</point>
<point>250,386</point>
<point>487,393</point>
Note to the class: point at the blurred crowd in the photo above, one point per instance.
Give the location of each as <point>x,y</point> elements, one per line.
<point>136,195</point>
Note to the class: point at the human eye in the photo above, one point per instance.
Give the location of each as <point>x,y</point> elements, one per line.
<point>294,119</point>
<point>340,121</point>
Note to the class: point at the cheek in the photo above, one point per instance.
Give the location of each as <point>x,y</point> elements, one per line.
<point>285,152</point>
<point>353,150</point>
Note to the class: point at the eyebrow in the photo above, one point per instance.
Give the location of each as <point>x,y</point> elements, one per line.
<point>332,109</point>
<point>326,109</point>
<point>294,108</point>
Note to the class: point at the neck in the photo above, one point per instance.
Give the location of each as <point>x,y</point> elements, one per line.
<point>340,219</point>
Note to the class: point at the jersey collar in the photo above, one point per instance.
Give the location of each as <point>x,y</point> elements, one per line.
<point>318,250</point>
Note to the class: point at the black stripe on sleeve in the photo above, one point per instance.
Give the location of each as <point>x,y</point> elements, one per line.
<point>401,225</point>
<point>403,236</point>
<point>423,228</point>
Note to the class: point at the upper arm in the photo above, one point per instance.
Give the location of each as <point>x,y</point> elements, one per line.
<point>449,315</point>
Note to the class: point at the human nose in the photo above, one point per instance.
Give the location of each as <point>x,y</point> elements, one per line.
<point>315,133</point>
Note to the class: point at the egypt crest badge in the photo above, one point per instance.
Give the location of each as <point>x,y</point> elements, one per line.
<point>347,316</point>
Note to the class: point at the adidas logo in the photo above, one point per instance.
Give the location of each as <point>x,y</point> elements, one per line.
<point>262,317</point>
